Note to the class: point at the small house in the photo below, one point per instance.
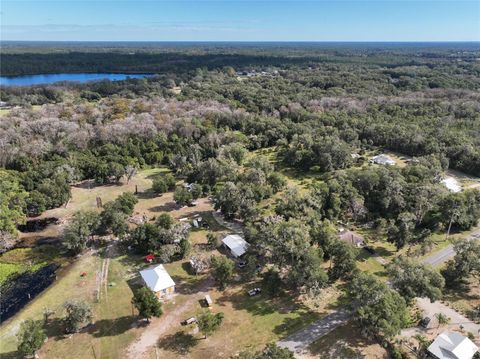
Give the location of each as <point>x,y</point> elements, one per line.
<point>208,300</point>
<point>383,160</point>
<point>236,244</point>
<point>158,280</point>
<point>352,238</point>
<point>452,345</point>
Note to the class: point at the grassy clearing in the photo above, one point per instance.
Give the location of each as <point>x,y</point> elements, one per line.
<point>23,259</point>
<point>345,342</point>
<point>84,196</point>
<point>70,285</point>
<point>112,314</point>
<point>249,323</point>
<point>114,326</point>
<point>367,263</point>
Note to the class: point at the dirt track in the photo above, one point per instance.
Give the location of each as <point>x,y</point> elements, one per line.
<point>160,326</point>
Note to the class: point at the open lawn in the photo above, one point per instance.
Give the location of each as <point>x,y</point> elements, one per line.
<point>23,259</point>
<point>250,323</point>
<point>367,263</point>
<point>85,194</point>
<point>84,198</point>
<point>113,327</point>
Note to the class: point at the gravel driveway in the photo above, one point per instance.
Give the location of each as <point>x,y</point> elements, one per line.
<point>456,319</point>
<point>300,340</point>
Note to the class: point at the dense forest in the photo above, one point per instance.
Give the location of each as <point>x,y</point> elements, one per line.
<point>321,110</point>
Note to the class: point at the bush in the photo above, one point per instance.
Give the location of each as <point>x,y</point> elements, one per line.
<point>77,313</point>
<point>182,196</point>
<point>31,336</point>
<point>163,183</point>
<point>222,270</point>
<point>159,185</point>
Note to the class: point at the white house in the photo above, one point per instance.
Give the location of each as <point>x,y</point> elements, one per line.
<point>158,280</point>
<point>236,244</point>
<point>383,160</point>
<point>452,345</point>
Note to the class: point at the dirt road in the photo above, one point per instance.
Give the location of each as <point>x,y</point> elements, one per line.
<point>160,326</point>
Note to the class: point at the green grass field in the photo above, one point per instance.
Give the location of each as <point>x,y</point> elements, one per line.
<point>112,314</point>
<point>23,259</point>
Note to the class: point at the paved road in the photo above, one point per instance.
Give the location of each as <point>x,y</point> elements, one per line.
<point>299,341</point>
<point>456,319</point>
<point>448,252</point>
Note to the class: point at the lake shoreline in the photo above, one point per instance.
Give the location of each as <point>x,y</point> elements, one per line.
<point>72,77</point>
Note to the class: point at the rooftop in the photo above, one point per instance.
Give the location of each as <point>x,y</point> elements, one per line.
<point>383,160</point>
<point>236,244</point>
<point>157,278</point>
<point>452,345</point>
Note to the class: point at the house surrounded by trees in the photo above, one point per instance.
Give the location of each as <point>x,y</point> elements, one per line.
<point>236,244</point>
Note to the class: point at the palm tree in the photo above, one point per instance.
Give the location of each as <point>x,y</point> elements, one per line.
<point>423,342</point>
<point>442,319</point>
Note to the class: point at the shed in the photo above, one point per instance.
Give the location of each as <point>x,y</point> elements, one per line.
<point>236,244</point>
<point>352,237</point>
<point>158,280</point>
<point>383,160</point>
<point>208,300</point>
<point>452,345</point>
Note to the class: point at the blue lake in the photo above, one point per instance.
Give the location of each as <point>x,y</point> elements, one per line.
<point>52,78</point>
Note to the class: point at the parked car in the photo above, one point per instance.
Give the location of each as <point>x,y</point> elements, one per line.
<point>189,321</point>
<point>424,322</point>
<point>242,264</point>
<point>253,292</point>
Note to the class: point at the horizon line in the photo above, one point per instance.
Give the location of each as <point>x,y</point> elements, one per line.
<point>254,41</point>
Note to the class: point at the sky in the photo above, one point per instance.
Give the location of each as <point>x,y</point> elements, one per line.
<point>239,20</point>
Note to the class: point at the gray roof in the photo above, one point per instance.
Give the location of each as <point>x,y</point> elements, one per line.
<point>383,160</point>
<point>237,244</point>
<point>452,345</point>
<point>351,237</point>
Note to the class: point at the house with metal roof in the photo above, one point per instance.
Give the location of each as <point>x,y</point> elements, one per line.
<point>452,345</point>
<point>383,160</point>
<point>158,280</point>
<point>236,244</point>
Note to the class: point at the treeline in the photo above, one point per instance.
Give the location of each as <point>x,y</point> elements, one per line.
<point>72,62</point>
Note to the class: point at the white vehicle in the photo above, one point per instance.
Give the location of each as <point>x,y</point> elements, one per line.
<point>253,292</point>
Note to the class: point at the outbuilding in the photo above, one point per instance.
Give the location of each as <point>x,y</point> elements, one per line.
<point>158,280</point>
<point>352,238</point>
<point>236,244</point>
<point>383,160</point>
<point>452,345</point>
